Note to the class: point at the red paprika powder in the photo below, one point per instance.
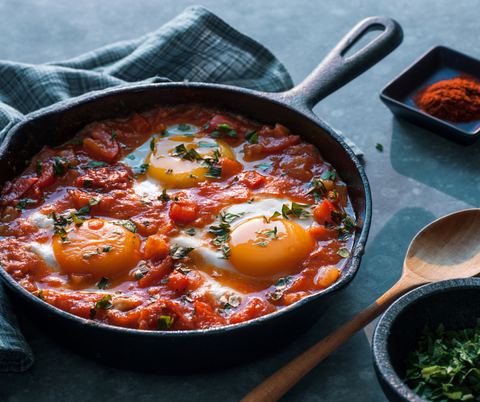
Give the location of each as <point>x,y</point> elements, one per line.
<point>456,100</point>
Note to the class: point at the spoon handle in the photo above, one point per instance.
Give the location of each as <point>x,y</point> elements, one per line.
<point>274,387</point>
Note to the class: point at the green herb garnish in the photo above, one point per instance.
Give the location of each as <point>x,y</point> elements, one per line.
<point>103,283</point>
<point>164,322</point>
<point>446,365</point>
<point>177,252</point>
<point>94,164</point>
<point>164,196</point>
<point>252,137</point>
<point>264,166</point>
<point>183,127</point>
<point>102,304</point>
<point>38,168</point>
<point>129,225</point>
<point>329,175</point>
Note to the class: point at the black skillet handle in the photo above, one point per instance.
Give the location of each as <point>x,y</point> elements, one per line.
<point>336,70</point>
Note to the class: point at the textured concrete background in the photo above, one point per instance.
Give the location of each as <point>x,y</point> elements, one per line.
<point>417,178</point>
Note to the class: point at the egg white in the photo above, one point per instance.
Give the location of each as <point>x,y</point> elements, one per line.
<point>210,254</point>
<point>44,251</point>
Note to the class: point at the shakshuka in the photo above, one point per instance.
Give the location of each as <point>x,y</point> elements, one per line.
<point>180,218</point>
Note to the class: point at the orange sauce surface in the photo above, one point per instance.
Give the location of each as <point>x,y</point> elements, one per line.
<point>151,222</point>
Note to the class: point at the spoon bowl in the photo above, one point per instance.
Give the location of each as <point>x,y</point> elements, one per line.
<point>448,248</point>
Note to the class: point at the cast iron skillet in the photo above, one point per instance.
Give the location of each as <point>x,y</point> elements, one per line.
<point>215,348</point>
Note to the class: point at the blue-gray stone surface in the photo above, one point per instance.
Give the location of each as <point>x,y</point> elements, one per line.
<point>418,177</point>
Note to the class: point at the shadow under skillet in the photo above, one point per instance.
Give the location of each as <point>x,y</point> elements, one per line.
<point>437,162</point>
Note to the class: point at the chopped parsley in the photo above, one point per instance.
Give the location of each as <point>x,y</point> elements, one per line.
<point>177,252</point>
<point>264,166</point>
<point>225,250</point>
<point>94,164</point>
<point>114,134</point>
<point>38,168</point>
<point>103,283</point>
<point>58,167</point>
<point>216,134</point>
<point>202,144</point>
<point>102,304</point>
<point>85,210</point>
<point>141,271</point>
<point>23,203</point>
<point>227,130</point>
<point>329,175</point>
<point>91,254</point>
<point>232,302</point>
<point>164,322</point>
<point>317,189</point>
<point>345,224</point>
<point>222,233</point>
<point>228,217</point>
<point>272,233</point>
<point>142,169</point>
<point>379,146</point>
<point>298,210</point>
<point>129,225</point>
<point>182,268</point>
<point>343,252</point>
<point>252,137</point>
<point>164,196</point>
<point>182,152</point>
<point>445,365</point>
<point>184,127</point>
<point>280,287</point>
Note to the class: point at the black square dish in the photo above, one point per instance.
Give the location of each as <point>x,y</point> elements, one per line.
<point>437,64</point>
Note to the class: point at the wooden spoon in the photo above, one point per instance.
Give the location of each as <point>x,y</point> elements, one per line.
<point>447,248</point>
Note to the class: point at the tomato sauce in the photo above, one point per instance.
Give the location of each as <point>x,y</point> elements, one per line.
<point>180,218</point>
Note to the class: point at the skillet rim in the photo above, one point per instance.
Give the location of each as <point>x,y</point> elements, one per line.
<point>280,99</point>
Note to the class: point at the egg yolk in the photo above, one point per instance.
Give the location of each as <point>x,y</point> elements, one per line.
<point>179,171</point>
<point>262,249</point>
<point>98,247</point>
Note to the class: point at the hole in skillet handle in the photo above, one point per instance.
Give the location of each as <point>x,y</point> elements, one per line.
<point>366,37</point>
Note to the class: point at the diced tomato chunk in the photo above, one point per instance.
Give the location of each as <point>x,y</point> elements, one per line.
<point>102,143</point>
<point>323,212</point>
<point>16,189</point>
<point>177,282</point>
<point>322,233</point>
<point>107,178</point>
<point>155,246</point>
<point>220,119</point>
<point>154,316</point>
<point>205,316</point>
<point>255,308</point>
<point>139,124</point>
<point>46,178</point>
<point>252,179</point>
<point>183,211</point>
<point>229,167</point>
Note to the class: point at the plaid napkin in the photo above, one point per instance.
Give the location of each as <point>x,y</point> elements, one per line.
<point>195,46</point>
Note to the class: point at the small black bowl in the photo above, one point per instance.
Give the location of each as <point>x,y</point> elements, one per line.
<point>454,303</point>
<point>439,63</point>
